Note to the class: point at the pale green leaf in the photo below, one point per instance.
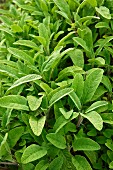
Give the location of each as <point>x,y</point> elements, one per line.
<point>52,60</point>
<point>96,105</point>
<point>63,40</point>
<point>103,43</point>
<point>59,95</point>
<point>6,30</point>
<point>57,140</point>
<point>64,7</point>
<point>14,102</point>
<point>37,124</point>
<point>32,153</point>
<point>61,121</point>
<point>78,84</point>
<point>102,25</point>
<point>81,163</point>
<point>107,83</point>
<point>34,102</point>
<point>104,11</point>
<point>6,20</point>
<point>25,79</point>
<point>19,54</point>
<point>69,71</point>
<point>111,165</point>
<point>27,43</point>
<point>77,57</point>
<point>68,114</point>
<point>75,100</point>
<point>95,119</point>
<point>91,83</point>
<point>81,42</point>
<point>8,70</point>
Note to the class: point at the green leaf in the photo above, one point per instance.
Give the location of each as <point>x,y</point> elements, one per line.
<point>77,57</point>
<point>16,28</point>
<point>27,43</point>
<point>37,124</point>
<point>14,102</point>
<point>63,40</point>
<point>103,43</point>
<point>92,82</point>
<point>19,54</point>
<point>85,144</point>
<point>56,164</point>
<point>99,92</point>
<point>81,163</point>
<point>107,83</point>
<point>81,42</point>
<point>59,95</point>
<point>75,100</point>
<point>32,153</point>
<point>111,165</point>
<point>107,118</point>
<point>68,114</point>
<point>4,147</point>
<point>6,30</point>
<point>34,102</point>
<point>104,11</point>
<point>96,105</point>
<point>92,3</point>
<point>64,7</point>
<point>57,140</point>
<point>69,71</point>
<point>78,85</point>
<point>95,119</point>
<point>52,60</point>
<point>6,20</point>
<point>102,25</point>
<point>25,79</point>
<point>14,135</point>
<point>8,70</point>
<point>61,121</point>
<point>42,165</point>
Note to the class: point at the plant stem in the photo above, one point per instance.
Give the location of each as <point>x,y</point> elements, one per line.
<point>80,119</point>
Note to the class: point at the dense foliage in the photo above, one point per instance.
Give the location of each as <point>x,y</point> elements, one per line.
<point>56,80</point>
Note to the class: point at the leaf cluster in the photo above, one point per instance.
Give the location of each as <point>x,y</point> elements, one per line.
<point>56,80</point>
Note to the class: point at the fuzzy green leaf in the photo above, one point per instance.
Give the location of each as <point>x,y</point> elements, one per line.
<point>95,119</point>
<point>59,95</point>
<point>14,102</point>
<point>37,124</point>
<point>96,105</point>
<point>19,54</point>
<point>91,83</point>
<point>57,140</point>
<point>34,102</point>
<point>26,43</point>
<point>81,163</point>
<point>104,11</point>
<point>85,144</point>
<point>32,153</point>
<point>25,79</point>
